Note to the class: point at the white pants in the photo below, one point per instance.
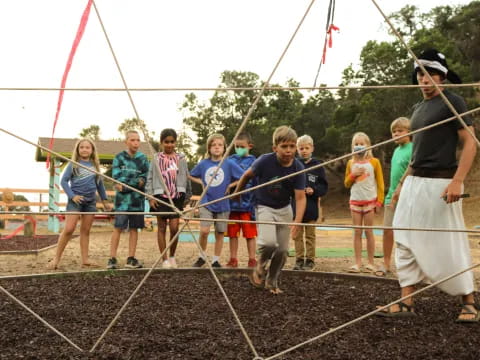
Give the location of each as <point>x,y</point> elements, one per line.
<point>431,256</point>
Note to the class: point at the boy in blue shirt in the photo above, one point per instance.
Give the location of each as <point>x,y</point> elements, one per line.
<point>274,204</point>
<point>223,177</point>
<point>244,208</point>
<point>129,167</point>
<point>316,186</point>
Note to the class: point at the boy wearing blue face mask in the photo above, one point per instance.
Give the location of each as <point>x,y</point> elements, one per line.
<point>365,178</point>
<point>243,209</point>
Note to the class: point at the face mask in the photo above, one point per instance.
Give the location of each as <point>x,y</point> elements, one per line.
<point>359,148</point>
<point>241,151</point>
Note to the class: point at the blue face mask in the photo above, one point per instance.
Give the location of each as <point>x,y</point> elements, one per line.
<point>241,151</point>
<point>359,148</point>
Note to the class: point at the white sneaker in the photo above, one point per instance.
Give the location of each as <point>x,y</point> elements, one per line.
<point>166,264</point>
<point>173,263</point>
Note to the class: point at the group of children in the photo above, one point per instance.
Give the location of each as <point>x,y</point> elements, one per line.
<point>167,179</point>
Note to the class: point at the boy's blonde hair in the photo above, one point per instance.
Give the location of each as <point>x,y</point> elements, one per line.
<point>305,139</point>
<point>401,122</point>
<point>128,132</point>
<point>210,140</point>
<point>368,153</point>
<point>283,134</point>
<point>93,156</point>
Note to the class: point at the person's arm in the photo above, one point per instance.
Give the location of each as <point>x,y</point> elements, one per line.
<point>380,183</point>
<point>149,184</point>
<point>469,149</point>
<point>321,185</point>
<point>398,189</point>
<point>142,178</point>
<point>67,176</point>
<point>247,175</point>
<point>349,177</point>
<point>103,195</point>
<point>117,174</point>
<point>300,205</point>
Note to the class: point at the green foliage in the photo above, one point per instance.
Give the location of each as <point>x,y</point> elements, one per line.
<point>92,132</point>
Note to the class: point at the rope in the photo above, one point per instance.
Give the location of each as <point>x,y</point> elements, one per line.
<point>137,289</point>
<point>275,88</point>
<point>425,72</point>
<point>38,317</point>
<point>227,300</point>
<point>330,161</point>
<point>354,321</point>
<point>142,127</point>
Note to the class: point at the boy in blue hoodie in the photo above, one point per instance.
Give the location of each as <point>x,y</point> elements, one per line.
<point>243,209</point>
<point>315,188</point>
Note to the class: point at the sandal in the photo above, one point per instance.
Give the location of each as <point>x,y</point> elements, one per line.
<point>369,269</point>
<point>466,310</point>
<point>275,290</point>
<point>354,269</point>
<point>405,310</point>
<point>381,271</point>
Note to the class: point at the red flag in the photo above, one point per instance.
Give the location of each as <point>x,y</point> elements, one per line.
<point>76,42</point>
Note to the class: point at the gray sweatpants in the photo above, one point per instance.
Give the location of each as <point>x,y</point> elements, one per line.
<point>273,241</point>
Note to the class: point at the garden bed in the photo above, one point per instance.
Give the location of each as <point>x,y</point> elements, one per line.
<point>22,244</point>
<point>182,315</point>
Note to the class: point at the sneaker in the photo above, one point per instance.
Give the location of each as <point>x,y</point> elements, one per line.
<point>199,263</point>
<point>298,264</point>
<point>133,263</point>
<point>309,265</point>
<point>252,263</point>
<point>166,264</point>
<point>216,264</point>
<point>233,263</point>
<point>112,263</point>
<point>173,263</point>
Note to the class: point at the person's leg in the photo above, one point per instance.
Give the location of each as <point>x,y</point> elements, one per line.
<point>251,248</point>
<point>405,306</point>
<point>357,238</point>
<point>86,225</point>
<point>266,241</point>
<point>233,245</point>
<point>387,248</point>
<point>299,249</point>
<point>469,310</point>
<point>132,242</point>
<point>64,238</point>
<point>310,241</point>
<point>173,227</point>
<point>162,229</point>
<point>219,237</point>
<point>203,239</point>
<point>114,242</point>
<point>368,221</point>
<point>233,231</point>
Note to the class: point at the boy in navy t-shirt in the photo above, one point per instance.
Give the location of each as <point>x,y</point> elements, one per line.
<point>274,204</point>
<point>202,174</point>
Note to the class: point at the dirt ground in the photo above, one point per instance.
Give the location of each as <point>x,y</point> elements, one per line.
<point>182,315</point>
<point>148,253</point>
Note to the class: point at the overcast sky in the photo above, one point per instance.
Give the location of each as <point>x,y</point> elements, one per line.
<point>182,43</point>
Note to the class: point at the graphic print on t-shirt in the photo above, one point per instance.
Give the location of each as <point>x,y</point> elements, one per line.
<point>219,176</point>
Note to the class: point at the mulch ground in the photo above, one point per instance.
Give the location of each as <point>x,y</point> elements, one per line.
<point>27,243</point>
<point>182,315</point>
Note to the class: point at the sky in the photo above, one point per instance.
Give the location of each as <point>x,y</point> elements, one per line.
<point>182,43</point>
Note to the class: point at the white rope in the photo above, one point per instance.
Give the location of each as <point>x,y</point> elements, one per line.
<point>38,317</point>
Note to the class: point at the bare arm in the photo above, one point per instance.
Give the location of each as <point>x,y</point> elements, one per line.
<point>300,204</point>
<point>196,180</point>
<point>469,149</point>
<point>247,175</point>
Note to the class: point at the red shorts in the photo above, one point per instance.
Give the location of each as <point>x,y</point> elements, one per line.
<point>249,230</point>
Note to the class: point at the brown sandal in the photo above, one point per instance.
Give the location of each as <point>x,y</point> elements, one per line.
<point>405,310</point>
<point>466,310</point>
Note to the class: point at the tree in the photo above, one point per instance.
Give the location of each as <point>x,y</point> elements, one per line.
<point>92,132</point>
<point>140,126</point>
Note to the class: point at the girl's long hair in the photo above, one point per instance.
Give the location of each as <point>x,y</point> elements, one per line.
<point>368,153</point>
<point>93,156</point>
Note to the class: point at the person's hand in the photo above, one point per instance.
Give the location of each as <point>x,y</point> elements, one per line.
<point>236,197</point>
<point>395,196</point>
<point>453,191</point>
<point>77,199</point>
<point>308,191</point>
<point>153,203</point>
<point>230,189</point>
<point>107,206</point>
<point>357,171</point>
<point>294,229</point>
<point>118,187</point>
<point>141,182</point>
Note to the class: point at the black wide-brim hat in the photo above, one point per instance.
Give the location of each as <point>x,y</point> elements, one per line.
<point>434,61</point>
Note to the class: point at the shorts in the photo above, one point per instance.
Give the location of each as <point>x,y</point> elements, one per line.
<point>363,209</point>
<point>249,230</point>
<point>220,227</point>
<point>178,202</point>
<point>88,206</point>
<point>125,222</point>
<point>388,213</point>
